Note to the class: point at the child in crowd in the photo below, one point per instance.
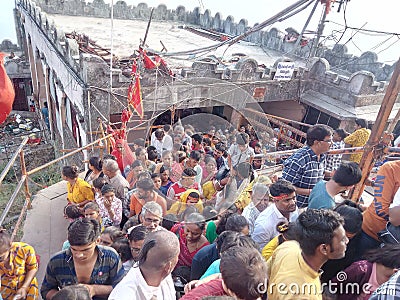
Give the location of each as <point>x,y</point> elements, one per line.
<point>165,181</point>
<point>157,181</point>
<point>190,197</point>
<point>98,183</point>
<point>92,211</point>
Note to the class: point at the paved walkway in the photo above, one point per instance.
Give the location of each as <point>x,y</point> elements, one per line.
<point>45,227</point>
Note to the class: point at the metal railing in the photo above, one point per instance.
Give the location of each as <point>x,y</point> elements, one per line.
<point>23,182</point>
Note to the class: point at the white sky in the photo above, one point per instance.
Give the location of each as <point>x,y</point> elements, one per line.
<point>378,15</point>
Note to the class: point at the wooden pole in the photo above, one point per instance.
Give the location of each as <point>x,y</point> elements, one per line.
<point>392,124</point>
<point>368,158</point>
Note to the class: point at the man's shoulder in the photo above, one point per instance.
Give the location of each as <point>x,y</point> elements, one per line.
<point>206,252</point>
<point>266,213</point>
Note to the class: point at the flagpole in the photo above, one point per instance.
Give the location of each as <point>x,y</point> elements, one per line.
<point>111,59</point>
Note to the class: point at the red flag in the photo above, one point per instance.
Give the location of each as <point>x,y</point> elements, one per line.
<point>147,61</point>
<point>134,92</point>
<point>7,93</point>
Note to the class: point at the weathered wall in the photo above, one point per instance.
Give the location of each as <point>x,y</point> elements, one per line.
<point>272,39</point>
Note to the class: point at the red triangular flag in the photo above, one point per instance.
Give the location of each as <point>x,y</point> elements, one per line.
<point>135,93</point>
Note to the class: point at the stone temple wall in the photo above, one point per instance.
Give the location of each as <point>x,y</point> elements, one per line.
<point>358,88</point>
<point>273,39</point>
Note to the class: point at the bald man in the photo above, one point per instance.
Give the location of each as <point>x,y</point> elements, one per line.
<point>151,277</point>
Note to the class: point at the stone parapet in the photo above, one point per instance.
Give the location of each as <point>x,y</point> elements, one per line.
<point>272,39</point>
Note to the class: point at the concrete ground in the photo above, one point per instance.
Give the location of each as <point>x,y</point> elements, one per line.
<point>45,227</point>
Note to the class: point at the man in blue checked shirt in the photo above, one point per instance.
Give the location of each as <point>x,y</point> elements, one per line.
<point>307,166</point>
<point>85,262</point>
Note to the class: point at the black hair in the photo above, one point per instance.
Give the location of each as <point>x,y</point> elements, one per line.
<point>152,155</point>
<point>287,231</point>
<point>342,133</point>
<point>72,211</point>
<point>352,215</point>
<point>195,155</point>
<point>236,222</point>
<point>189,172</point>
<point>243,270</point>
<point>139,142</point>
<point>132,221</point>
<point>220,147</point>
<point>114,232</point>
<point>207,141</point>
<point>362,122</point>
<point>136,163</point>
<point>155,175</point>
<point>194,195</point>
<point>145,184</point>
<point>151,148</point>
<point>224,218</point>
<point>138,233</point>
<point>163,169</point>
<point>83,231</point>
<point>159,133</point>
<point>227,237</point>
<point>388,256</point>
<point>5,238</point>
<point>138,150</point>
<point>348,173</point>
<point>190,209</point>
<point>107,188</point>
<point>316,227</point>
<point>242,138</point>
<point>71,172</point>
<point>317,133</point>
<point>280,187</point>
<point>197,137</point>
<point>99,182</point>
<point>238,240</point>
<point>169,220</point>
<point>167,127</point>
<point>96,163</point>
<point>122,247</point>
<point>92,205</point>
<point>109,156</point>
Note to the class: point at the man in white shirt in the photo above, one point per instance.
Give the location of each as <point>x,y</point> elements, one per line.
<point>259,202</point>
<point>151,277</point>
<point>161,141</point>
<point>283,209</point>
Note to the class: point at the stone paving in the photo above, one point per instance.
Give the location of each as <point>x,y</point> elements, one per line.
<point>45,227</point>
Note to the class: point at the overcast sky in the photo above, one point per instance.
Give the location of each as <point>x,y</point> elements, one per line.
<point>372,14</point>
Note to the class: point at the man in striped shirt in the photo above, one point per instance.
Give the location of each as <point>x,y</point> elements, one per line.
<point>85,262</point>
<point>307,166</point>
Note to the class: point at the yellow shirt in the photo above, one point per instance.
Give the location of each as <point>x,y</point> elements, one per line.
<point>208,190</point>
<point>290,277</point>
<point>22,260</point>
<point>80,192</point>
<point>269,248</point>
<point>358,139</point>
<point>179,207</point>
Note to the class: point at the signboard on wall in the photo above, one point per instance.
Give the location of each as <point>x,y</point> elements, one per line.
<point>284,71</point>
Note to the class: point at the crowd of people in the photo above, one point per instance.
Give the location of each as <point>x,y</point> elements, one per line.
<point>192,216</point>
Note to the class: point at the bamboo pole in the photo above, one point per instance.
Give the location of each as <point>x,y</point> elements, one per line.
<point>368,159</point>
<point>12,160</point>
